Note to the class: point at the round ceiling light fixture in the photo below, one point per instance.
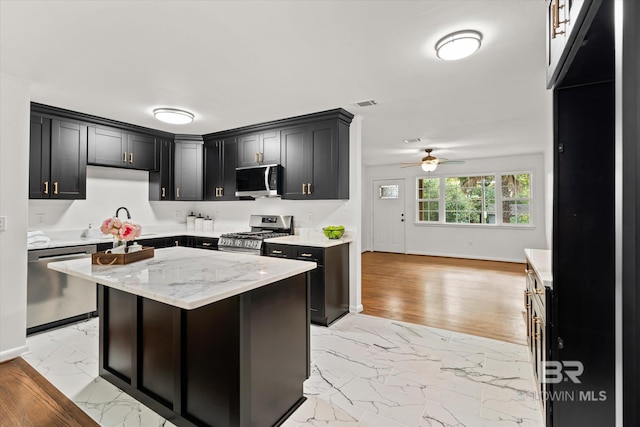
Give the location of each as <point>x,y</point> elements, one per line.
<point>458,45</point>
<point>173,116</point>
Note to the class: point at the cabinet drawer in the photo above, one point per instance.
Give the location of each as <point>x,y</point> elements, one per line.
<point>276,250</point>
<point>205,243</point>
<point>307,253</point>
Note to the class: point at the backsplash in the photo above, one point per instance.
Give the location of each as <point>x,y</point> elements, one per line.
<point>110,188</point>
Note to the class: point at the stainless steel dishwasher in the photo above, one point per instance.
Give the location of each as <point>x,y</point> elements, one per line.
<point>55,299</point>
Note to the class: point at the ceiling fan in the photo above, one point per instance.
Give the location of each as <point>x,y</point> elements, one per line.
<point>429,163</point>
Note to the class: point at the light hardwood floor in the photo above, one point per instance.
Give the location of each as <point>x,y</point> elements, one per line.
<point>483,298</point>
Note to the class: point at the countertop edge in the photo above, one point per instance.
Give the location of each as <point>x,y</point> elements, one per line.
<point>540,260</point>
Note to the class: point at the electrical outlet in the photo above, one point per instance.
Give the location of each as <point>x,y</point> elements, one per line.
<point>310,217</point>
<point>3,223</point>
<point>40,217</point>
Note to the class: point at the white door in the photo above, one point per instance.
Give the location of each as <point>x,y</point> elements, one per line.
<point>388,215</point>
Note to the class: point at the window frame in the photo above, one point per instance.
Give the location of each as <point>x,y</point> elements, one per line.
<point>498,201</point>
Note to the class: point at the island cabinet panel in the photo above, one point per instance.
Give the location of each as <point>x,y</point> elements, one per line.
<point>119,328</point>
<point>211,364</point>
<point>237,362</point>
<point>156,352</point>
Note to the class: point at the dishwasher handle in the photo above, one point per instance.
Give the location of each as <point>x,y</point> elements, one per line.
<point>53,258</point>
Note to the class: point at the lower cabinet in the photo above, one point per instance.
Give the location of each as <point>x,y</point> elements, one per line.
<point>329,281</point>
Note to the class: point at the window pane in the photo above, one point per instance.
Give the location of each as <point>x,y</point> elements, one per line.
<point>389,191</point>
<point>434,216</point>
<point>516,212</point>
<point>516,186</point>
<point>428,188</point>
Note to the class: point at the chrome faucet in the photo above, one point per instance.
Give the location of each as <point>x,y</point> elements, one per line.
<point>125,209</point>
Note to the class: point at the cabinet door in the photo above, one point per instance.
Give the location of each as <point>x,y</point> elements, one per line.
<point>107,147</point>
<point>228,161</point>
<point>317,303</point>
<point>211,170</point>
<point>188,171</point>
<point>68,160</point>
<point>248,150</point>
<point>160,181</point>
<point>39,157</point>
<point>296,161</point>
<point>143,152</point>
<point>323,180</point>
<point>270,148</point>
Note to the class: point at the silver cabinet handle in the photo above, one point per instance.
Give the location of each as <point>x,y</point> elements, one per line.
<point>124,157</point>
<point>206,244</point>
<point>131,157</point>
<point>304,189</point>
<point>177,192</point>
<point>55,187</point>
<point>309,188</point>
<point>306,255</point>
<point>163,193</point>
<point>46,187</point>
<point>276,251</point>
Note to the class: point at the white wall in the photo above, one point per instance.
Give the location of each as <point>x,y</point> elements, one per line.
<point>14,167</point>
<point>480,242</point>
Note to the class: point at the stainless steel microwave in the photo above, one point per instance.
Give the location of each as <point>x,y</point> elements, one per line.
<point>259,181</point>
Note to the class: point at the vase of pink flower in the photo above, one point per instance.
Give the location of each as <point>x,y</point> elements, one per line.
<point>123,232</point>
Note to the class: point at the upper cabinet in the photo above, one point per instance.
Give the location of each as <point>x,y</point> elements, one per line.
<point>161,181</point>
<point>316,161</point>
<point>259,148</point>
<point>57,158</point>
<point>220,169</point>
<point>118,148</point>
<point>565,18</point>
<point>313,150</point>
<point>187,167</point>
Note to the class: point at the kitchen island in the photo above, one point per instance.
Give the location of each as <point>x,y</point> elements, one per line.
<point>205,338</point>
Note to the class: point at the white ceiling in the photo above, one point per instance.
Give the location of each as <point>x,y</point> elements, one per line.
<point>235,63</point>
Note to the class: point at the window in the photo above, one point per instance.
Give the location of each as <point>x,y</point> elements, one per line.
<point>428,199</point>
<point>516,197</point>
<point>470,200</point>
<point>481,199</point>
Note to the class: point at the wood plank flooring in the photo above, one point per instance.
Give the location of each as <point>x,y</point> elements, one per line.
<point>483,298</point>
<point>27,399</point>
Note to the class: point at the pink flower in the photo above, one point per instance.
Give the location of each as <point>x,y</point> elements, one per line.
<point>128,231</point>
<point>106,226</point>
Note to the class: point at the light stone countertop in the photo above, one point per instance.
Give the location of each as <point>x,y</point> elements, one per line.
<point>316,240</point>
<point>187,278</point>
<point>74,238</point>
<point>540,260</point>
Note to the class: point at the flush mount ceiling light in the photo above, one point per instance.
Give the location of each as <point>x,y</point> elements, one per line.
<point>173,116</point>
<point>458,45</point>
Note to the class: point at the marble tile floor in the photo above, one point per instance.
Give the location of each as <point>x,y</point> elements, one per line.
<point>366,372</point>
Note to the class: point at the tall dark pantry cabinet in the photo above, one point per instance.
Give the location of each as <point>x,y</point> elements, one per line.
<point>594,70</point>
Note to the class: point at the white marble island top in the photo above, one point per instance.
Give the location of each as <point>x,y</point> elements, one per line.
<point>188,278</point>
<point>540,261</point>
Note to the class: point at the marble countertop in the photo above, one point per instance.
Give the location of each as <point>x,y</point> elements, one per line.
<point>186,277</point>
<point>540,260</point>
<point>58,240</point>
<point>316,240</point>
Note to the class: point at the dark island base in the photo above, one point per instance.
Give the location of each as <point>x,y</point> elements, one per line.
<point>237,362</point>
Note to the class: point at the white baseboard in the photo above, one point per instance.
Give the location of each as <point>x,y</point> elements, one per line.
<point>356,309</point>
<point>479,257</point>
<point>13,353</point>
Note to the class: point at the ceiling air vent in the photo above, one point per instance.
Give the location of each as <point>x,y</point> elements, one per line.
<point>366,103</point>
<point>412,140</point>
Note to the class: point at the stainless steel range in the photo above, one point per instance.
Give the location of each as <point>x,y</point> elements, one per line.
<point>262,227</point>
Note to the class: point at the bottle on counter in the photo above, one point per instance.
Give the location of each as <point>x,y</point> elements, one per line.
<point>207,224</point>
<point>199,222</point>
<point>191,222</point>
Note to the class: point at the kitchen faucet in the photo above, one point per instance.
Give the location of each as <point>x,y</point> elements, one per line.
<point>125,209</point>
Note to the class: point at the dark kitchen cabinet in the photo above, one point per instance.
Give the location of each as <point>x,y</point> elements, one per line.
<point>210,243</point>
<point>118,148</point>
<point>220,169</point>
<point>584,125</point>
<point>188,167</point>
<point>316,161</point>
<point>259,148</point>
<point>564,20</point>
<point>161,181</point>
<point>57,158</point>
<point>329,282</point>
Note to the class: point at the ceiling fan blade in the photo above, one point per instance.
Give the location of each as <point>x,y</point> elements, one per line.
<point>452,162</point>
<point>409,163</point>
<point>410,166</point>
